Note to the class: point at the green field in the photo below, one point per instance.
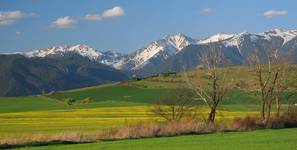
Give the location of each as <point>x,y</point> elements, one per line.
<point>256,140</point>
<point>112,105</point>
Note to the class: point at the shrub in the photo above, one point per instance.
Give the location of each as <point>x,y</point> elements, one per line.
<point>174,106</point>
<point>87,100</point>
<point>70,101</point>
<point>286,120</point>
<point>244,124</point>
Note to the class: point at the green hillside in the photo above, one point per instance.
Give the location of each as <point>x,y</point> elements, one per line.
<point>142,92</point>
<point>21,76</point>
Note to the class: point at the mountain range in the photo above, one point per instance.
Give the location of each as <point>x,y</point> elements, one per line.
<point>170,53</point>
<point>20,75</point>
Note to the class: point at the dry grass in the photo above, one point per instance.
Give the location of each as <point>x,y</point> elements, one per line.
<point>285,120</point>
<point>43,139</point>
<point>244,124</point>
<point>154,129</point>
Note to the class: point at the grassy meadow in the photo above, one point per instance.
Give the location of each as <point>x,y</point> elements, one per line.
<point>116,104</point>
<point>256,140</point>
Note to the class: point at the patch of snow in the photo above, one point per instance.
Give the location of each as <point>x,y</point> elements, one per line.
<point>119,64</point>
<point>235,41</point>
<point>216,38</point>
<point>254,37</point>
<point>80,49</point>
<point>286,35</point>
<point>143,55</point>
<point>179,41</point>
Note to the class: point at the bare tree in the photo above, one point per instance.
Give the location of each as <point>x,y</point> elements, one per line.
<point>270,69</point>
<point>175,105</point>
<point>212,92</point>
<point>264,77</point>
<point>285,89</point>
<point>282,83</point>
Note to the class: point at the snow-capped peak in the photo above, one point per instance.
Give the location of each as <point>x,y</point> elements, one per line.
<point>179,40</point>
<point>216,38</point>
<point>236,39</point>
<point>80,49</point>
<point>164,48</point>
<point>286,35</point>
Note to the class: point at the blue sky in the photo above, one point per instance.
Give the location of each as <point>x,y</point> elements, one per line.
<point>126,25</point>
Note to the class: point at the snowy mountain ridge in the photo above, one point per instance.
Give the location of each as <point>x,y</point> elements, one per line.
<point>80,49</point>
<point>164,48</point>
<point>108,58</point>
<point>161,50</point>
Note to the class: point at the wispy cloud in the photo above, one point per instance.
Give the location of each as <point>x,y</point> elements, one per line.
<point>113,12</point>
<point>205,10</point>
<point>273,13</point>
<point>64,22</point>
<point>93,17</point>
<point>10,17</point>
<point>18,33</point>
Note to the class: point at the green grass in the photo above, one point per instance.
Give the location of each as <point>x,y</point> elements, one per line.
<point>112,105</point>
<point>49,114</point>
<point>43,103</point>
<point>257,140</point>
<point>29,103</point>
<point>122,93</point>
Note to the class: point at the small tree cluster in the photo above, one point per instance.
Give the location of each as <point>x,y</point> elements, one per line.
<point>174,106</point>
<point>70,101</point>
<point>87,100</point>
<point>270,67</point>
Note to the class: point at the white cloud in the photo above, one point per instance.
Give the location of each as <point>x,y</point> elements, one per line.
<point>113,12</point>
<point>205,10</point>
<point>64,22</point>
<point>10,17</point>
<point>273,13</point>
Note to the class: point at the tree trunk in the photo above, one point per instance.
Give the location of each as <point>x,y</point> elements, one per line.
<point>212,114</point>
<point>262,112</point>
<point>277,99</point>
<point>268,111</point>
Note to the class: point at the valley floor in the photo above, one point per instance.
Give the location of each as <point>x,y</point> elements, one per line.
<point>24,125</point>
<point>257,140</point>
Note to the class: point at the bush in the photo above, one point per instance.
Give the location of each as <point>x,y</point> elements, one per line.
<point>70,101</point>
<point>244,124</point>
<point>286,120</point>
<point>87,100</point>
